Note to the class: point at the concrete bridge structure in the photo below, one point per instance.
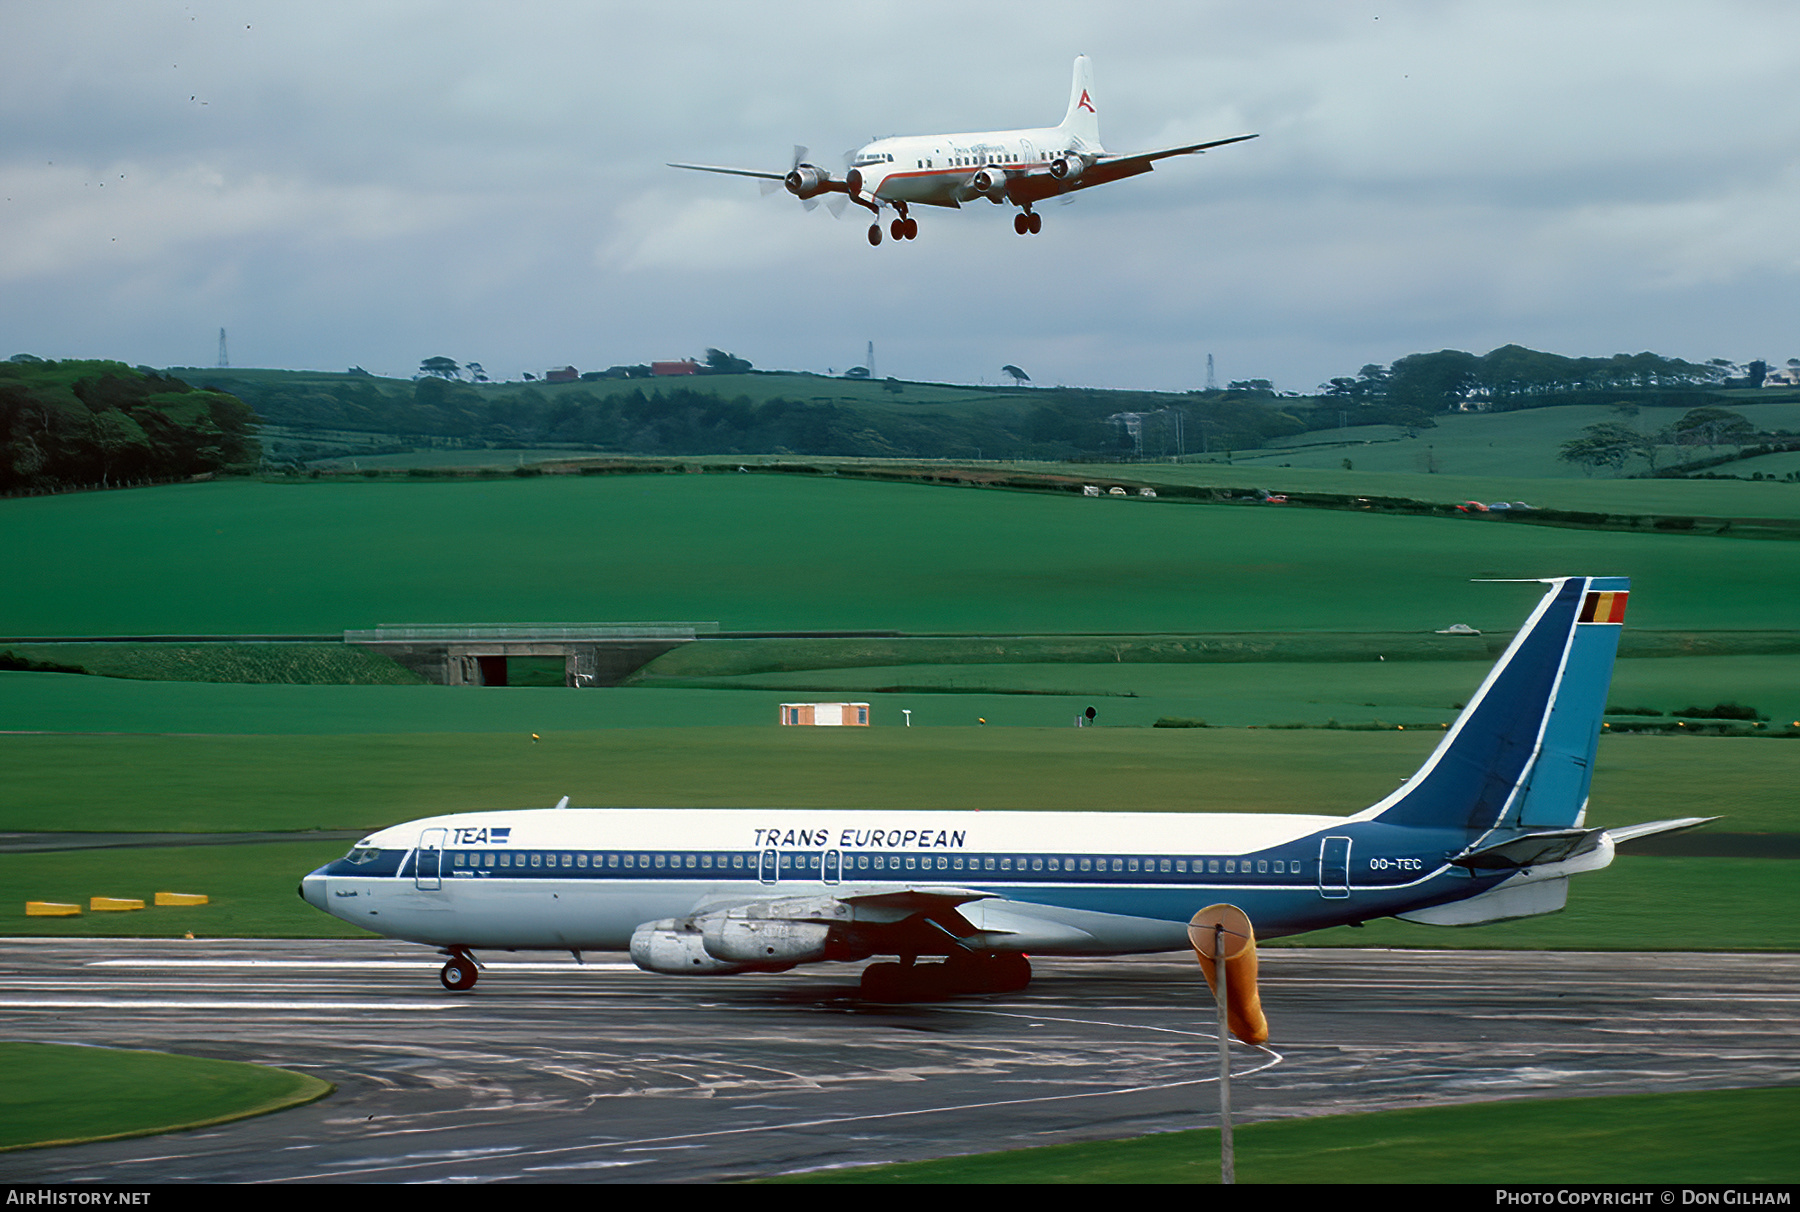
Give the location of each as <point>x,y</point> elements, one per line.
<point>594,654</point>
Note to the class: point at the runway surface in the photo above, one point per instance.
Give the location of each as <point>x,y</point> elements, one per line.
<point>554,1072</point>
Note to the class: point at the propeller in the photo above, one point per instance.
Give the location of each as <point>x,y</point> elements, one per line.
<point>769,187</point>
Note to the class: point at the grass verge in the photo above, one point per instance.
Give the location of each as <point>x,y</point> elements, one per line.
<point>224,784</point>
<point>1716,1136</point>
<point>60,1094</point>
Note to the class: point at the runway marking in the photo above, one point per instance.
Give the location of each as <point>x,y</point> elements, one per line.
<point>95,1004</point>
<point>410,964</point>
<point>1275,1058</point>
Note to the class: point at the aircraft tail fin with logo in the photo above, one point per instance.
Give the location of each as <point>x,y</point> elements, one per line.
<point>1082,122</point>
<point>1522,752</point>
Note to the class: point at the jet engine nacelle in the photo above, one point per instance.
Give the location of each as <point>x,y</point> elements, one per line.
<point>1067,167</point>
<point>737,940</point>
<point>806,181</point>
<point>990,182</point>
<point>674,948</point>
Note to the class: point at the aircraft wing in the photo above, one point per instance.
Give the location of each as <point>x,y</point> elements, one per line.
<point>732,172</point>
<point>1037,184</point>
<point>1190,149</point>
<point>780,931</point>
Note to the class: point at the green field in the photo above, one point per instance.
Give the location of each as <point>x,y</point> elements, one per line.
<point>236,783</point>
<point>56,1094</point>
<point>1721,1136</point>
<point>250,891</point>
<point>784,553</point>
<point>1524,444</point>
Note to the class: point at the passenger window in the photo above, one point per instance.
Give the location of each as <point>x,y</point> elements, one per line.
<point>1262,866</point>
<point>1212,866</point>
<point>1165,864</point>
<point>662,860</point>
<point>489,860</point>
<point>909,862</point>
<point>1037,864</point>
<point>1006,864</point>
<point>459,858</point>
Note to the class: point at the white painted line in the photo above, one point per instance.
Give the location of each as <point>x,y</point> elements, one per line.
<point>100,1004</point>
<point>487,966</point>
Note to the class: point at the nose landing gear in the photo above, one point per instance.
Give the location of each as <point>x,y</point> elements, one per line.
<point>461,972</point>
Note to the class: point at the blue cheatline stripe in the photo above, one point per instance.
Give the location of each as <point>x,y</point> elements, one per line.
<point>1469,785</point>
<point>1399,858</point>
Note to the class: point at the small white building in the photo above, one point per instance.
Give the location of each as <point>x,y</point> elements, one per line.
<point>855,715</point>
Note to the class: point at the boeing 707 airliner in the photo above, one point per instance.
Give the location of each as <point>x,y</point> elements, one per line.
<point>1021,167</point>
<point>1491,827</point>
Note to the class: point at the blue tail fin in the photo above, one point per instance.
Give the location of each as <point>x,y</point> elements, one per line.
<point>1522,752</point>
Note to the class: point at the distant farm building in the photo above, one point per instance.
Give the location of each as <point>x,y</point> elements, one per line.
<point>826,714</point>
<point>567,374</point>
<point>687,366</point>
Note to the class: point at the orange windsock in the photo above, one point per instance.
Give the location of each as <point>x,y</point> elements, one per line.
<point>1243,1008</point>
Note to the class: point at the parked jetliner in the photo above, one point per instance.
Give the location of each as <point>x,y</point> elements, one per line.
<point>1490,827</point>
<point>1023,167</point>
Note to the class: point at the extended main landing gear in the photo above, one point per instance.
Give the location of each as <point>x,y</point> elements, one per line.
<point>904,228</point>
<point>986,972</point>
<point>461,972</point>
<point>1028,222</point>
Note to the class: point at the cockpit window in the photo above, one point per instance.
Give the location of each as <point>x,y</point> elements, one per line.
<point>363,854</point>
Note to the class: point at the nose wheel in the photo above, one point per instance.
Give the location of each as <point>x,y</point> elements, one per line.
<point>1028,223</point>
<point>460,973</point>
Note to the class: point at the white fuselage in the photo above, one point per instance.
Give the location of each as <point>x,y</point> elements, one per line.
<point>940,170</point>
<point>1052,883</point>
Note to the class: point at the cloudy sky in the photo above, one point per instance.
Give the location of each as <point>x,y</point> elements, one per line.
<point>377,182</point>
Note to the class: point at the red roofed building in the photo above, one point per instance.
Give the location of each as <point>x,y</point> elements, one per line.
<point>687,366</point>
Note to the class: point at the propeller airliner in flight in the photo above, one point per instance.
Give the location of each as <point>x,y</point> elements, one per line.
<point>1491,827</point>
<point>1021,167</point>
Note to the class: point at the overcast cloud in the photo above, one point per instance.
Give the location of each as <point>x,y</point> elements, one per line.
<point>375,183</point>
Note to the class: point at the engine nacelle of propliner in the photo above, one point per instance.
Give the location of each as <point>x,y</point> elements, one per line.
<point>806,181</point>
<point>1067,167</point>
<point>989,182</point>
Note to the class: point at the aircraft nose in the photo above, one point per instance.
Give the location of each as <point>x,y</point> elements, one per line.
<point>312,889</point>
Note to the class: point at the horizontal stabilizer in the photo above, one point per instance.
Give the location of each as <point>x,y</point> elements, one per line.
<point>1532,850</point>
<point>1625,833</point>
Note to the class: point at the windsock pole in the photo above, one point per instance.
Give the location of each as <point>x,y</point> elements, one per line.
<point>1244,1017</point>
<point>1227,1164</point>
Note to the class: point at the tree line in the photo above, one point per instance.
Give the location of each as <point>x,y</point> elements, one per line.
<point>76,423</point>
<point>1515,377</point>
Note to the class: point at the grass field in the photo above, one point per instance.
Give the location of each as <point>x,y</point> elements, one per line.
<point>783,553</point>
<point>61,1094</point>
<point>1720,1136</point>
<point>294,664</point>
<point>250,891</point>
<point>1523,444</point>
<point>284,782</point>
<point>1599,494</point>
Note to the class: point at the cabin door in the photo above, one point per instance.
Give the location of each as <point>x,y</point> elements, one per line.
<point>767,872</point>
<point>1334,867</point>
<point>428,868</point>
<point>833,862</point>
